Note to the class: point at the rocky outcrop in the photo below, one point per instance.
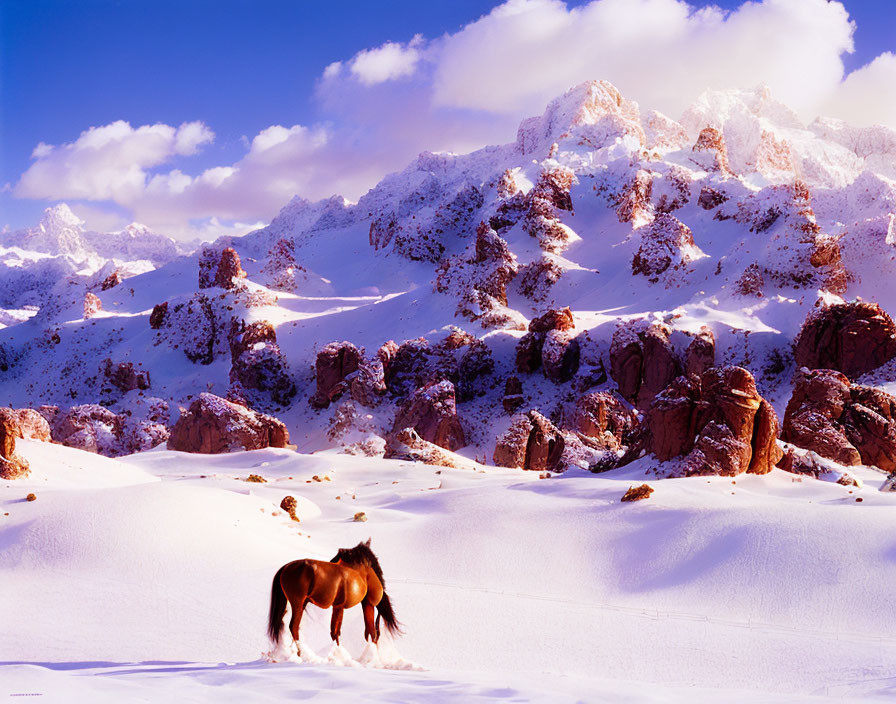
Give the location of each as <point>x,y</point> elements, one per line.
<point>643,361</point>
<point>665,243</point>
<point>513,395</point>
<point>11,465</point>
<point>219,268</point>
<point>632,203</point>
<point>92,305</point>
<point>125,377</point>
<point>701,352</point>
<point>406,444</point>
<point>27,423</point>
<point>531,442</point>
<point>560,356</point>
<point>852,338</point>
<point>111,281</point>
<point>229,269</point>
<point>554,319</point>
<point>710,147</point>
<point>847,423</point>
<point>158,315</point>
<point>88,427</point>
<point>550,346</point>
<point>713,424</point>
<point>213,425</point>
<point>601,420</point>
<point>257,362</point>
<point>432,412</point>
<point>550,195</point>
<point>334,364</point>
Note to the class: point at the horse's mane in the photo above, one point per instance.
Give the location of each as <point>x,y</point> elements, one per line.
<point>361,554</point>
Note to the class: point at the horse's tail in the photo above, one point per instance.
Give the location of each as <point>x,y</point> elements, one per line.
<point>278,608</point>
<point>384,609</point>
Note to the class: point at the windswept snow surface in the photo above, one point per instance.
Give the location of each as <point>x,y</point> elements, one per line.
<point>149,577</point>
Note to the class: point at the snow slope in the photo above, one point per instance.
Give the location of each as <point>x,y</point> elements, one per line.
<point>154,571</point>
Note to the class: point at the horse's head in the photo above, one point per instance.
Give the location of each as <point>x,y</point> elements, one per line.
<point>352,555</point>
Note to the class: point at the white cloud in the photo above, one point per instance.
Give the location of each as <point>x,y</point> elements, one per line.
<point>384,63</point>
<point>108,162</point>
<point>868,95</point>
<point>463,90</point>
<point>663,53</point>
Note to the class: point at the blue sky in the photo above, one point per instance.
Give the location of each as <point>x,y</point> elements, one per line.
<point>241,67</point>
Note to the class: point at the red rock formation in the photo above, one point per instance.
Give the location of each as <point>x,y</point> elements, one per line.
<point>432,412</point>
<point>474,370</point>
<point>88,427</point>
<point>158,315</point>
<point>513,395</point>
<point>219,268</point>
<point>213,425</point>
<point>751,282</point>
<point>125,377</point>
<point>528,352</point>
<point>406,444</point>
<point>560,356</point>
<point>643,361</point>
<point>257,362</point>
<point>111,281</point>
<point>852,338</point>
<point>334,363</point>
<point>229,269</point>
<point>537,277</point>
<point>711,198</point>
<point>531,442</point>
<point>554,319</point>
<point>664,244</point>
<point>701,352</point>
<point>712,142</point>
<point>633,202</point>
<point>11,465</point>
<point>847,423</point>
<point>27,423</point>
<point>716,423</point>
<point>601,420</point>
<point>92,305</point>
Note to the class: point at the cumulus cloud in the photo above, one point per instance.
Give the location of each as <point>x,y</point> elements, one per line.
<point>385,63</point>
<point>108,162</point>
<point>469,88</point>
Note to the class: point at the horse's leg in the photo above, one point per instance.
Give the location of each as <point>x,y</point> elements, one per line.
<point>298,608</point>
<point>370,630</point>
<point>336,623</point>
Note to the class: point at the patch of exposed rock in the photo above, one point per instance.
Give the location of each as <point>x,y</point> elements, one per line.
<point>844,422</point>
<point>257,362</point>
<point>852,338</point>
<point>406,444</point>
<point>214,425</point>
<point>12,466</point>
<point>219,268</point>
<point>531,442</point>
<point>643,361</point>
<point>335,362</point>
<point>550,346</point>
<point>432,412</point>
<point>601,420</point>
<point>716,423</point>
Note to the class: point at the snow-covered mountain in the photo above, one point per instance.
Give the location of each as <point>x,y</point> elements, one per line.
<point>733,223</point>
<point>41,263</point>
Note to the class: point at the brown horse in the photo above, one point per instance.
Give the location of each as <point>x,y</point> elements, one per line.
<point>352,577</point>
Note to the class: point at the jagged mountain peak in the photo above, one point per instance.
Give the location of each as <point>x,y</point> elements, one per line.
<point>60,217</point>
